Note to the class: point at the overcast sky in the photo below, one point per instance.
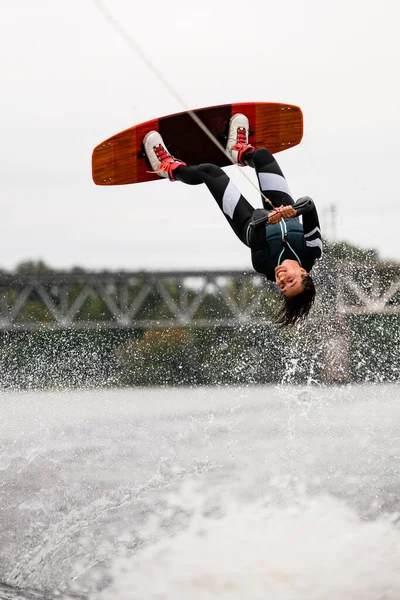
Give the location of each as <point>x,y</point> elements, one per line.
<point>68,81</point>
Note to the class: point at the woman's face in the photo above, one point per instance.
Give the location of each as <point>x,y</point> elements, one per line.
<point>289,277</point>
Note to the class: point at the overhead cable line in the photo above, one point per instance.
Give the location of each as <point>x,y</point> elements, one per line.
<point>125,35</point>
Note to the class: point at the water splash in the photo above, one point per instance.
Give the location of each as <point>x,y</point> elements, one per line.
<point>315,549</point>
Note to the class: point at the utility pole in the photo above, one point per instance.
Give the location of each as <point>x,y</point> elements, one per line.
<point>333,221</point>
<point>329,214</point>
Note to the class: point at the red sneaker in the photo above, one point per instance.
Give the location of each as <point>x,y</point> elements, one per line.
<point>238,138</point>
<point>160,159</point>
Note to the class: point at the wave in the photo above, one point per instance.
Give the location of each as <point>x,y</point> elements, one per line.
<point>315,549</point>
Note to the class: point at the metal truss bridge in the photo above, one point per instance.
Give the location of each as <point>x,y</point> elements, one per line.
<point>82,300</point>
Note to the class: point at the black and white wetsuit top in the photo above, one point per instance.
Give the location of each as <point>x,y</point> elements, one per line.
<point>271,244</point>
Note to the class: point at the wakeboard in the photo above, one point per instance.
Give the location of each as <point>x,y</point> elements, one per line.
<point>120,159</point>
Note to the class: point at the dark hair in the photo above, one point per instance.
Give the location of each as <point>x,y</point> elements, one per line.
<point>297,307</point>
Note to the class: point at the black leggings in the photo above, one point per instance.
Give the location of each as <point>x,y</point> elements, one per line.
<point>237,210</point>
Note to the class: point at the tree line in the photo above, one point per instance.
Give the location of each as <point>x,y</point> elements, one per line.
<point>245,355</point>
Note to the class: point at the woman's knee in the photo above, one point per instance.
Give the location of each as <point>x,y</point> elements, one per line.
<point>262,157</point>
<point>209,170</point>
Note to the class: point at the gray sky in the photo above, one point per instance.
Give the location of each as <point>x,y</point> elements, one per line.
<point>68,81</point>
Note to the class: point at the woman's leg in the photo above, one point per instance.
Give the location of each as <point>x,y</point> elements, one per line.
<point>271,180</point>
<point>237,210</point>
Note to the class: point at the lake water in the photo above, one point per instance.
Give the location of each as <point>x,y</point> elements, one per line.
<point>237,493</point>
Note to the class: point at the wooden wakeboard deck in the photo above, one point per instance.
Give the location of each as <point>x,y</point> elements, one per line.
<point>120,159</point>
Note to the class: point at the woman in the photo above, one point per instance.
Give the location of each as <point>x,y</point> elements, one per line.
<point>282,248</point>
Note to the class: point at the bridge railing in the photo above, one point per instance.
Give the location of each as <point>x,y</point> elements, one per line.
<point>181,298</point>
<point>133,299</point>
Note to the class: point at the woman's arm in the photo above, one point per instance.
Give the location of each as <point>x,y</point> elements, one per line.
<point>312,231</point>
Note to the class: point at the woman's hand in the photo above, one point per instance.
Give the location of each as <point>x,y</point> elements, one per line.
<point>282,212</point>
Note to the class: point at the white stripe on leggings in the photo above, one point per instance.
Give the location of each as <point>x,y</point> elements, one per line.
<point>272,182</point>
<point>230,199</point>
